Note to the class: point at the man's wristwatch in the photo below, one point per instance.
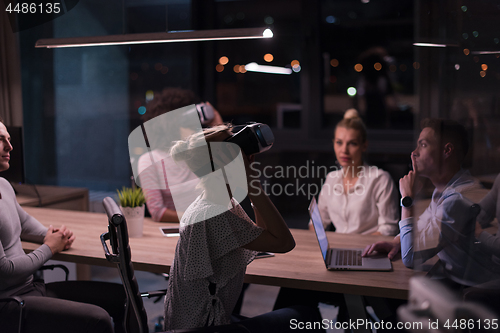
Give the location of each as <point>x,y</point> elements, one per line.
<point>406,202</point>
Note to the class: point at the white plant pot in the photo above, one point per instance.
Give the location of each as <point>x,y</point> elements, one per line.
<point>135,220</point>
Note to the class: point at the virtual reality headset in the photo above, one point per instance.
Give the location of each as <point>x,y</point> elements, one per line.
<point>205,112</point>
<point>252,138</point>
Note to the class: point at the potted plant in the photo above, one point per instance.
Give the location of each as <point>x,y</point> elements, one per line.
<point>132,205</point>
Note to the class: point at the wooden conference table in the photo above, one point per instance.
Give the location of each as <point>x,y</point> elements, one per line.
<point>301,268</point>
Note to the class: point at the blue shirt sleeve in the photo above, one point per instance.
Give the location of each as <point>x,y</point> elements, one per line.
<point>406,237</point>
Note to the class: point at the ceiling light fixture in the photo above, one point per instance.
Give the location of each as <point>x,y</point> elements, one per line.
<point>254,67</point>
<point>485,52</point>
<point>432,44</point>
<point>157,37</point>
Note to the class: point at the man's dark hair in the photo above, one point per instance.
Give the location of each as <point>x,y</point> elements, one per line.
<point>449,131</point>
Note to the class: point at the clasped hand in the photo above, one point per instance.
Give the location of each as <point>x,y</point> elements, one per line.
<point>59,239</point>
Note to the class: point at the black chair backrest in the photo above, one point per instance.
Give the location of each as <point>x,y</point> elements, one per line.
<point>118,237</point>
<point>120,254</point>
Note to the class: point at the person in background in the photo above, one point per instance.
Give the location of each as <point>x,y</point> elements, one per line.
<point>218,240</point>
<point>358,198</point>
<point>488,293</point>
<point>70,306</point>
<point>446,228</point>
<point>159,201</point>
<point>376,98</point>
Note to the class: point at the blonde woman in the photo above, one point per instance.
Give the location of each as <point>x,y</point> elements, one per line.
<point>357,198</point>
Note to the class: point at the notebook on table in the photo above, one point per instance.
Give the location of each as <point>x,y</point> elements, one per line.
<point>344,259</point>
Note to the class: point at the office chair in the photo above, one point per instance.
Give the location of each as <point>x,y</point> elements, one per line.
<point>431,305</point>
<point>118,238</point>
<point>19,300</point>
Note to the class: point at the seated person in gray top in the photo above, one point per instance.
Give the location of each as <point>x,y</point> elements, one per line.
<point>53,307</point>
<point>446,228</point>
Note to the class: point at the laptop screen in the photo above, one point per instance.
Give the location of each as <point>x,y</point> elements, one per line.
<point>318,227</point>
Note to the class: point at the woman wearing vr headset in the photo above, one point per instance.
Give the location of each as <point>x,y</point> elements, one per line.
<point>218,240</point>
<point>159,201</point>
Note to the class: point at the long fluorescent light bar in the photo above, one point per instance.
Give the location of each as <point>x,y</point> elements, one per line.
<point>430,44</point>
<point>485,52</point>
<point>254,67</point>
<point>157,37</point>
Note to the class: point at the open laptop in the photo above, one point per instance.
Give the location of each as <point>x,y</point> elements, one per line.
<point>344,259</point>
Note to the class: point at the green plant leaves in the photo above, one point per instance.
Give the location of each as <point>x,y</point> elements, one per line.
<point>131,197</point>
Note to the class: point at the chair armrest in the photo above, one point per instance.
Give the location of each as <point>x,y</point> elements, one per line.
<point>52,267</point>
<point>157,293</point>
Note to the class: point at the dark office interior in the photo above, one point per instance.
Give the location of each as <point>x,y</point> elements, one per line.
<point>77,106</point>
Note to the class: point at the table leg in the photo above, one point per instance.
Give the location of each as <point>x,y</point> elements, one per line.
<point>357,310</point>
<point>83,272</point>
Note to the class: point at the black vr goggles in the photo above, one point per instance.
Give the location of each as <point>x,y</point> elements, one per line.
<point>205,112</point>
<point>252,138</point>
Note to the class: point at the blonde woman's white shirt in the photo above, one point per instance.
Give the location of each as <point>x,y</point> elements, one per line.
<point>369,206</point>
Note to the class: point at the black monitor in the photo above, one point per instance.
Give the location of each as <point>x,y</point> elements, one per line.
<point>15,173</point>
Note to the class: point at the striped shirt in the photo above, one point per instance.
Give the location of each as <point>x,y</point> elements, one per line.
<point>166,184</point>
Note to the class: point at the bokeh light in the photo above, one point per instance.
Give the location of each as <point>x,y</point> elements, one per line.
<point>142,110</point>
<point>358,67</point>
<point>219,68</point>
<point>377,66</point>
<point>351,91</point>
<point>334,62</point>
<point>330,19</point>
<point>149,95</point>
<point>268,57</point>
<point>223,60</point>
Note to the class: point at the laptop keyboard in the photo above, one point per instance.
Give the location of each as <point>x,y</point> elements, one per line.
<point>348,258</point>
